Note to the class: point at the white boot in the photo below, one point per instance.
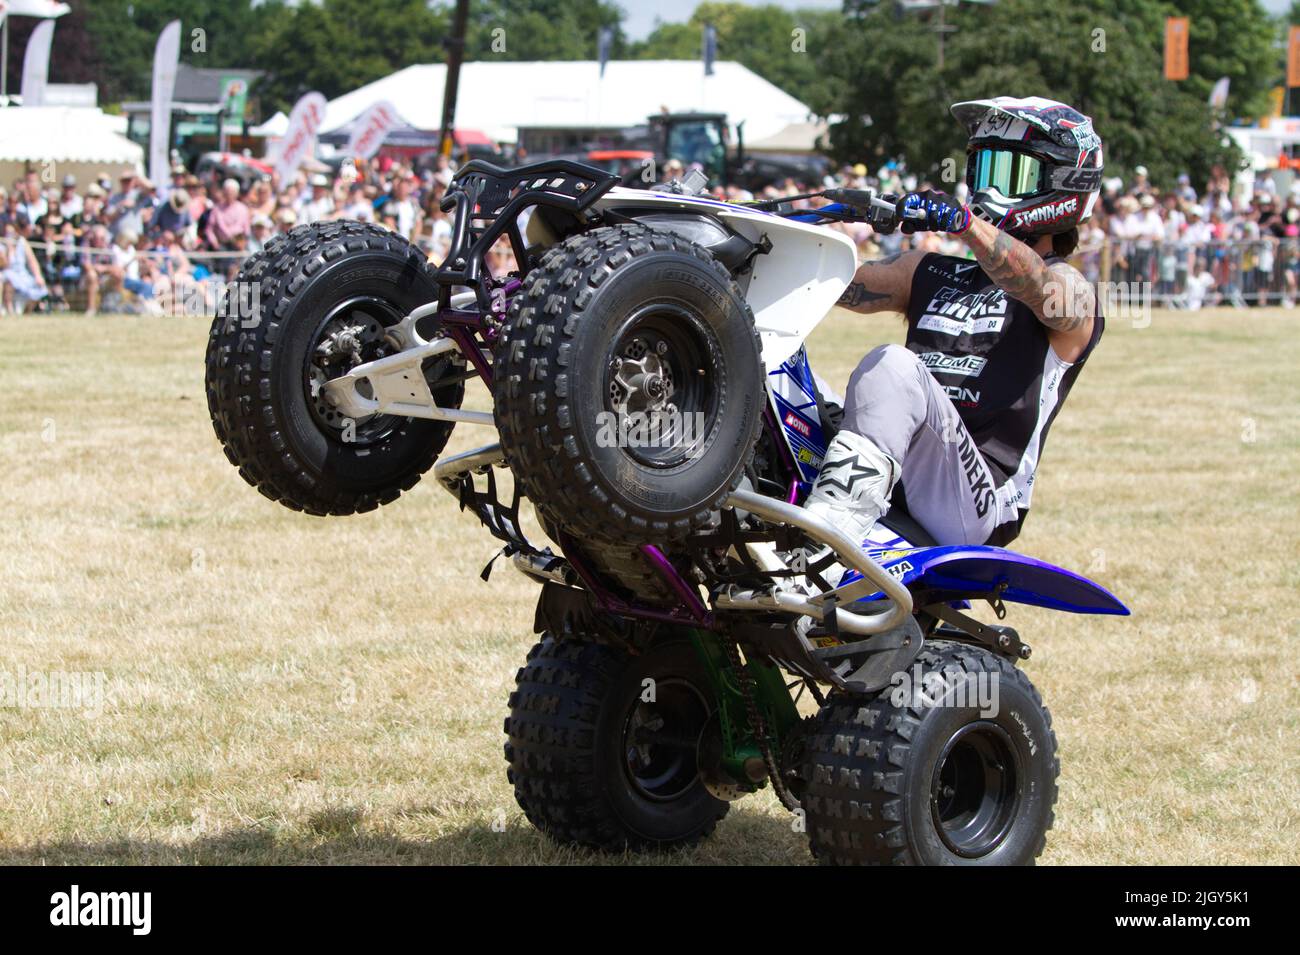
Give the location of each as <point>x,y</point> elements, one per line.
<point>851,491</point>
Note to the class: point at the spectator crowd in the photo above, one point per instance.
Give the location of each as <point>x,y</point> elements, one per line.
<point>1180,247</point>
<point>123,247</point>
<point>127,246</point>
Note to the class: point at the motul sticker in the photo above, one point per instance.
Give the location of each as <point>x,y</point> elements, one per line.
<point>794,421</point>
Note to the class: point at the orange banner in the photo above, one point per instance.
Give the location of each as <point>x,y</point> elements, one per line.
<point>1176,48</point>
<point>1293,57</point>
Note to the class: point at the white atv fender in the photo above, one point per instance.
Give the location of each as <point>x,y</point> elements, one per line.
<point>792,287</point>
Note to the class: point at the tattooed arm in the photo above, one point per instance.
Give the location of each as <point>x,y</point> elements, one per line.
<point>883,285</point>
<point>1060,296</point>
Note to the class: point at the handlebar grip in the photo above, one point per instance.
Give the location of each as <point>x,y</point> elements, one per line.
<point>881,213</point>
<point>858,198</point>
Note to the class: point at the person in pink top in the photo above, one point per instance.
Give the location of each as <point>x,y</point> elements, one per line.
<point>228,226</point>
<point>230,217</point>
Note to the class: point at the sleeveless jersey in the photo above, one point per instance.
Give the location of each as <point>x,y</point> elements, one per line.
<point>991,354</point>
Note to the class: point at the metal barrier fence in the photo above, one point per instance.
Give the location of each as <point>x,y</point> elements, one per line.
<point>191,285</point>
<point>1180,275</point>
<point>1240,273</point>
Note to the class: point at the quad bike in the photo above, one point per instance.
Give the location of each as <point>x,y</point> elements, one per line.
<point>676,639</point>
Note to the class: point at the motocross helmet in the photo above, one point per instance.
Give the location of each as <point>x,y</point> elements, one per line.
<point>1033,165</point>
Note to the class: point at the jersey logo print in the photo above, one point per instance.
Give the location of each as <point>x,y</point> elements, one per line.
<point>963,366</point>
<point>953,311</point>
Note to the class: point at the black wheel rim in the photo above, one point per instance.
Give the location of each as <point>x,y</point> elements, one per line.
<point>662,380</point>
<point>975,793</point>
<point>353,332</point>
<point>661,740</point>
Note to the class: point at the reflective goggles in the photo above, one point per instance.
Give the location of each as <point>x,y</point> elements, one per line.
<point>1013,174</point>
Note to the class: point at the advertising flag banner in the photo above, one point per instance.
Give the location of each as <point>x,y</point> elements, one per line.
<point>1176,29</point>
<point>300,138</point>
<point>36,64</point>
<point>165,56</point>
<point>1293,57</point>
<point>370,130</point>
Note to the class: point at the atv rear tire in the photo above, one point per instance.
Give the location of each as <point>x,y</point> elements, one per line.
<point>933,784</point>
<point>593,764</point>
<point>620,321</point>
<point>306,287</point>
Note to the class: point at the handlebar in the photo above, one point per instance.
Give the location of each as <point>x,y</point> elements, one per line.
<point>887,211</point>
<point>848,205</point>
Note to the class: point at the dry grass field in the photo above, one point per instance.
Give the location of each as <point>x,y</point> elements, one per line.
<point>284,689</point>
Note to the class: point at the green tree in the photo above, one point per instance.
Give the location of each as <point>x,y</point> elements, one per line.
<point>111,42</point>
<point>1232,38</point>
<point>337,45</point>
<point>542,29</point>
<point>782,46</point>
<point>879,72</point>
<point>1103,56</point>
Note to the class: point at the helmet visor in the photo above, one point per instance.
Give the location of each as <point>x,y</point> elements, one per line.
<point>1011,173</point>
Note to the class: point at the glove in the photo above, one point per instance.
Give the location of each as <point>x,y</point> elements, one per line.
<point>942,213</point>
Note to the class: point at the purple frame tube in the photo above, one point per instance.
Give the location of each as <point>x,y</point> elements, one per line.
<point>463,325</point>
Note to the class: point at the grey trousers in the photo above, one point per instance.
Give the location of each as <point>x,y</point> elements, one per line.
<point>895,402</point>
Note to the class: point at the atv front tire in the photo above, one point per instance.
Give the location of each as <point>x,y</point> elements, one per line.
<point>618,322</point>
<point>893,782</point>
<point>313,303</point>
<point>596,764</point>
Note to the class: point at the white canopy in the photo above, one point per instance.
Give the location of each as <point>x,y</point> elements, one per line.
<point>500,97</point>
<point>276,126</point>
<point>45,9</point>
<point>795,138</point>
<point>65,134</point>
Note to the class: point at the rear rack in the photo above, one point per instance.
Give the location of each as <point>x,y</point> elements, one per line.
<point>487,201</point>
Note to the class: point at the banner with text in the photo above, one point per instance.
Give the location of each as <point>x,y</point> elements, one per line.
<point>371,128</point>
<point>300,138</point>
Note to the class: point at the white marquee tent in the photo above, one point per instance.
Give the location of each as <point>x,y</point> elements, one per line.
<point>499,97</point>
<point>58,140</point>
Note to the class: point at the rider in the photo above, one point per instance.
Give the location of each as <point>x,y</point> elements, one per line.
<point>993,345</point>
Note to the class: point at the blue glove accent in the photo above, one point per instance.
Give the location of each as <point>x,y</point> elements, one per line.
<point>942,213</point>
